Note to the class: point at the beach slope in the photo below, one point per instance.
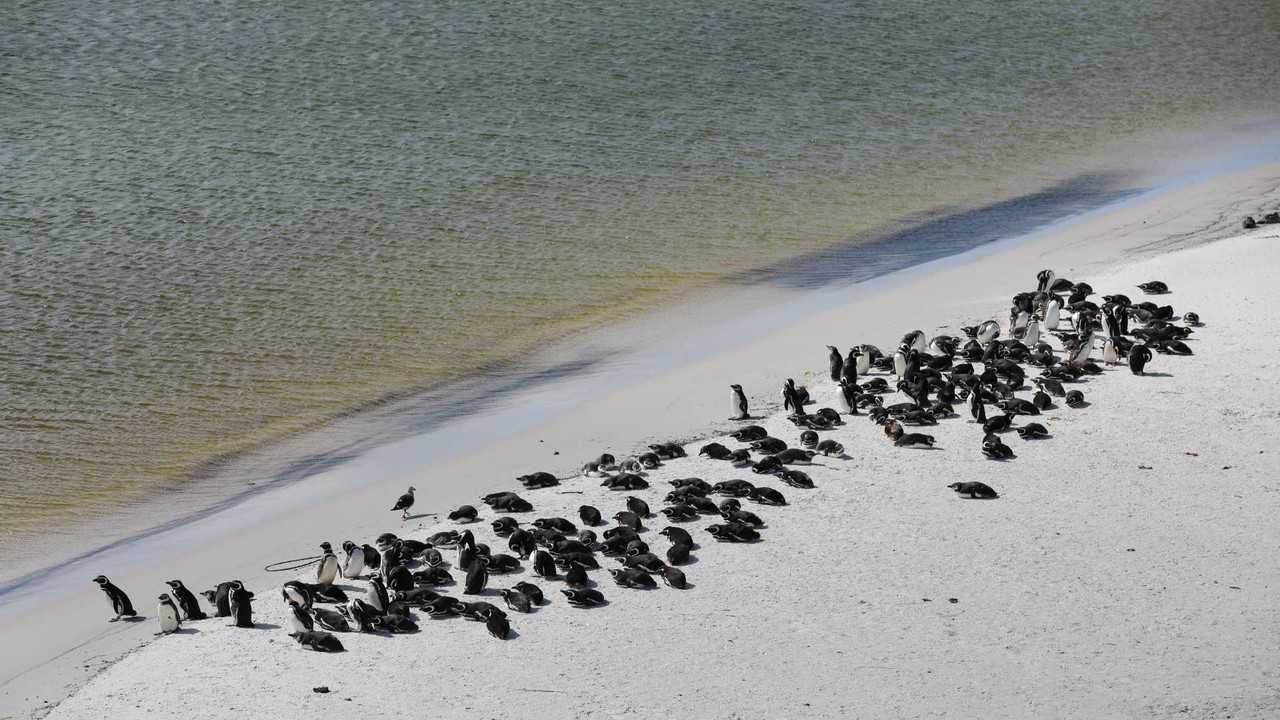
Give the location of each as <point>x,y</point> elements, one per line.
<point>1127,570</point>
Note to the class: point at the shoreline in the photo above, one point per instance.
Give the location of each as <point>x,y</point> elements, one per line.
<point>224,482</point>
<point>1097,590</point>
<point>614,415</point>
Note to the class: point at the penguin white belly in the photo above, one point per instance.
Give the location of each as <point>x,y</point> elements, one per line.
<point>373,598</point>
<point>734,410</point>
<point>168,618</point>
<point>899,364</point>
<point>1021,321</point>
<point>295,624</point>
<point>328,570</point>
<point>1109,353</point>
<point>1082,353</point>
<point>354,565</point>
<point>988,331</point>
<point>863,364</point>
<point>920,343</point>
<point>1051,315</point>
<point>843,403</point>
<point>1032,336</point>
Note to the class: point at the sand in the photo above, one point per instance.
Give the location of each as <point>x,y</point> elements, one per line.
<point>1091,588</point>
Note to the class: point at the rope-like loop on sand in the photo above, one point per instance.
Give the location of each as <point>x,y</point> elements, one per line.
<point>302,562</point>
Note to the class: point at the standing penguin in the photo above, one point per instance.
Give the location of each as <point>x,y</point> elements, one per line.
<point>849,399</point>
<point>976,407</point>
<point>1044,280</point>
<point>1139,356</point>
<point>119,601</point>
<point>739,401</point>
<point>900,364</point>
<point>241,605</point>
<point>861,360</point>
<point>836,363</point>
<point>327,570</point>
<point>477,576</point>
<point>186,601</point>
<point>353,563</point>
<point>1032,335</point>
<point>1051,314</point>
<point>168,615</point>
<point>1109,355</point>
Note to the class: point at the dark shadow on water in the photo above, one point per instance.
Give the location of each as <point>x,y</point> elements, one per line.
<point>922,239</point>
<point>403,415</point>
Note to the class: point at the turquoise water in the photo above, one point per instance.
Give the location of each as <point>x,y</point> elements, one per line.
<point>225,222</point>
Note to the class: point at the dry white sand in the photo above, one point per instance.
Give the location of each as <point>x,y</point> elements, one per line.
<point>1128,569</point>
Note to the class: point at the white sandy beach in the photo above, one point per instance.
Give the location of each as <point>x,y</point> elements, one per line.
<point>1091,588</point>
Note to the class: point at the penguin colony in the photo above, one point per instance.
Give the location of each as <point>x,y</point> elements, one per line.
<point>552,560</point>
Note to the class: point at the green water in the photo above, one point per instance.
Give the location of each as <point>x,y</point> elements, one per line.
<point>223,222</point>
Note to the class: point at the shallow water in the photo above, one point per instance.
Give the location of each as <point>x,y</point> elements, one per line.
<point>224,223</point>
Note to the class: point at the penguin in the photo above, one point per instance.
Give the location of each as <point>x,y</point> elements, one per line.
<point>1080,355</point>
<point>404,503</point>
<point>1139,356</point>
<point>1193,319</point>
<point>674,578</point>
<point>544,566</point>
<point>299,619</point>
<point>318,641</point>
<point>589,515</point>
<point>974,490</point>
<point>372,559</point>
<point>738,400</point>
<point>1032,334</point>
<point>377,594</point>
<point>1032,431</point>
<point>1051,314</point>
<point>575,576</point>
<point>353,563</point>
<point>632,578</point>
<point>678,554</point>
<point>361,614</point>
<point>168,615</point>
<point>1075,399</point>
<point>900,364</point>
<point>186,601</point>
<point>835,362</point>
<point>531,591</point>
<point>1155,287</point>
<point>330,619</point>
<point>220,599</point>
<point>1109,355</point>
<point>993,448</point>
<point>498,626</point>
<point>861,360</point>
<point>583,597</point>
<point>504,526</point>
<point>976,407</point>
<point>477,576</point>
<point>327,570</point>
<point>517,600</point>
<point>1044,280</point>
<point>119,601</point>
<point>241,605</point>
<point>638,506</point>
<point>465,513</point>
<point>988,331</point>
